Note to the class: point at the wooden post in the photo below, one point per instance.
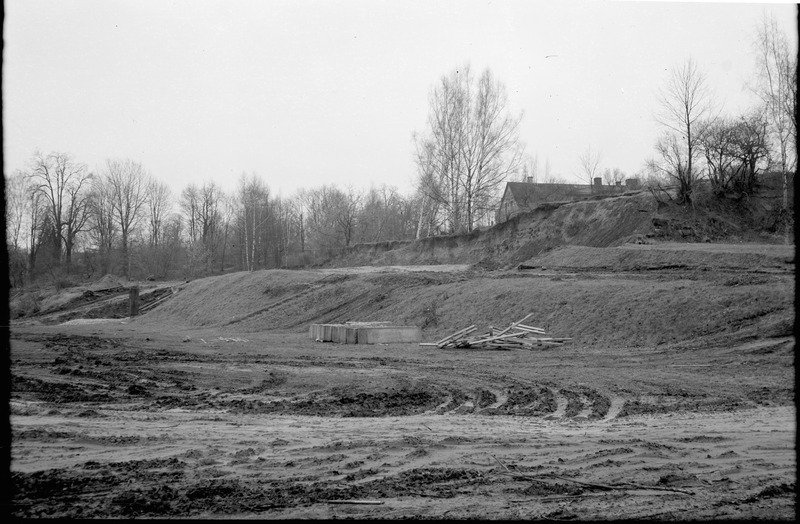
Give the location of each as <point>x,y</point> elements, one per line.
<point>133,294</point>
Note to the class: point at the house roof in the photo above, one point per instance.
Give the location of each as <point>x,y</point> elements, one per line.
<point>524,193</point>
<point>519,191</point>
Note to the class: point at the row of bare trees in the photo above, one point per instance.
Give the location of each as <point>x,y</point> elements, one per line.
<point>730,151</point>
<point>120,220</point>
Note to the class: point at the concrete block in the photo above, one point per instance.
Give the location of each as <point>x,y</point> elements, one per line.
<point>389,334</point>
<point>361,333</point>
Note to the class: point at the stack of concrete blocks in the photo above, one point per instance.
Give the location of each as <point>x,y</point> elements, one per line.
<point>365,333</point>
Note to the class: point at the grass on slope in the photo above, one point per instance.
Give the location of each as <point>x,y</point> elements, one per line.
<point>620,310</point>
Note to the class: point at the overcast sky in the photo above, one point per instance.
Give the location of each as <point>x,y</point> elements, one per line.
<point>307,92</point>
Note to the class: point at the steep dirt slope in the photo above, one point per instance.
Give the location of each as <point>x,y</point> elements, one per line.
<point>599,223</point>
<point>628,218</point>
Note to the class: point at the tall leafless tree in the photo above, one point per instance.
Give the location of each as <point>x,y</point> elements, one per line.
<point>17,203</point>
<point>63,183</point>
<point>159,203</point>
<point>38,223</point>
<point>685,101</point>
<point>471,146</point>
<point>252,201</point>
<point>128,185</point>
<point>776,86</point>
<point>19,213</point>
<point>102,224</point>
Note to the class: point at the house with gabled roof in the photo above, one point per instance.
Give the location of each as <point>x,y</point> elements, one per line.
<point>520,197</point>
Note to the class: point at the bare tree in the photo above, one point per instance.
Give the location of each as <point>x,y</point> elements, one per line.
<point>735,151</point>
<point>590,165</point>
<point>159,202</point>
<point>431,190</point>
<point>63,184</point>
<point>190,206</point>
<point>102,224</point>
<point>471,146</point>
<point>749,140</point>
<point>346,208</point>
<point>331,217</point>
<point>128,182</point>
<point>227,213</point>
<point>18,214</point>
<point>776,86</point>
<point>252,202</point>
<point>685,101</point>
<point>493,151</point>
<point>17,203</point>
<point>38,224</point>
<point>438,157</point>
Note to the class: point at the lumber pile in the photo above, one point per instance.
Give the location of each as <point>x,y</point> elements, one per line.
<point>516,336</point>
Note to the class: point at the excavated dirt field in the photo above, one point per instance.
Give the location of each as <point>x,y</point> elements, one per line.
<point>675,400</point>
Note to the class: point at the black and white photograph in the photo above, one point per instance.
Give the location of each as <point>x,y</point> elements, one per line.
<point>400,259</point>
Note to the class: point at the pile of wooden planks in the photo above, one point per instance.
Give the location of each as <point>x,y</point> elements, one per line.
<point>516,336</point>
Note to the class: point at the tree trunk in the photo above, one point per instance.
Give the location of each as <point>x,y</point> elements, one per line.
<point>68,257</point>
<point>224,243</point>
<point>253,245</point>
<point>31,264</point>
<point>125,255</point>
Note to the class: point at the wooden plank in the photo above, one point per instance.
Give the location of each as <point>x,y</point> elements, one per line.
<point>452,336</point>
<point>498,337</point>
<point>363,502</point>
<point>548,343</point>
<point>530,329</point>
<point>529,315</point>
<point>463,332</point>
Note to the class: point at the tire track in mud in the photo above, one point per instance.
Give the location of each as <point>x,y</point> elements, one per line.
<point>614,408</point>
<point>500,397</point>
<point>561,406</point>
<point>531,400</point>
<point>462,393</point>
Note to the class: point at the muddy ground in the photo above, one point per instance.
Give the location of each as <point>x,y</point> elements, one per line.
<point>136,418</point>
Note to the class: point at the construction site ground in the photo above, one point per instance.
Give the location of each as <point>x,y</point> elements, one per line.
<point>674,400</point>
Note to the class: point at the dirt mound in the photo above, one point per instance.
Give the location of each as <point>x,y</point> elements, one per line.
<point>636,307</point>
